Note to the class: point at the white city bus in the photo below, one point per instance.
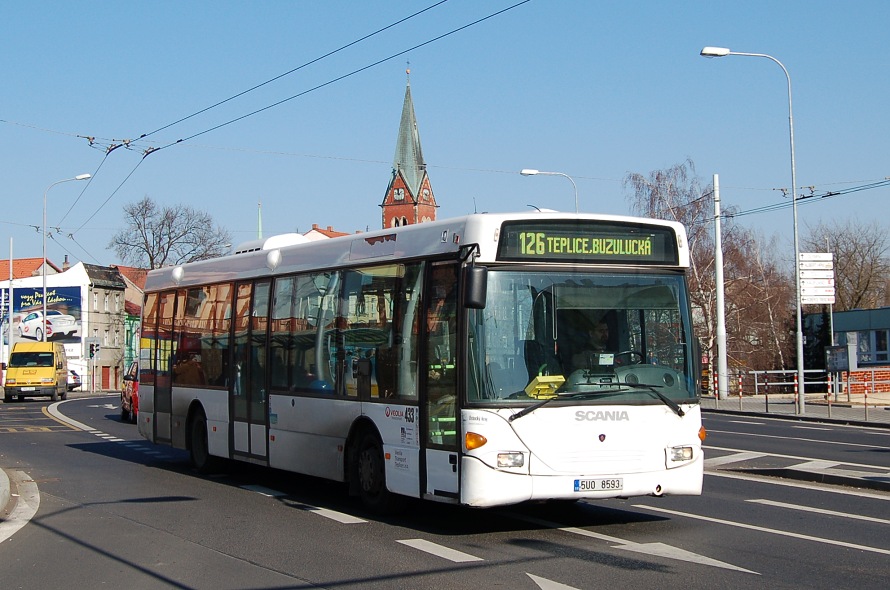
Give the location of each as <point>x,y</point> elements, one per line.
<point>448,360</point>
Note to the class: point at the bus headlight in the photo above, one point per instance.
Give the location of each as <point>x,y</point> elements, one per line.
<point>681,454</point>
<point>510,460</point>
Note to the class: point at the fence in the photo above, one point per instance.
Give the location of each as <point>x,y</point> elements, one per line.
<point>862,395</point>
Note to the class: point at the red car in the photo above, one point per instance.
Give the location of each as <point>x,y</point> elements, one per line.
<point>130,394</point>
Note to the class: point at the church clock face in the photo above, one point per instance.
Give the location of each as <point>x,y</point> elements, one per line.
<point>398,194</point>
<point>426,194</point>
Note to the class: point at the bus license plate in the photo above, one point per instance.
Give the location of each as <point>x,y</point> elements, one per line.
<point>28,388</point>
<point>599,485</point>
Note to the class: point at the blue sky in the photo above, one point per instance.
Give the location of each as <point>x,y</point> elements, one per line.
<point>591,89</point>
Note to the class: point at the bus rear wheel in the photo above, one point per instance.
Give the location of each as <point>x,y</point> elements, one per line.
<point>370,473</point>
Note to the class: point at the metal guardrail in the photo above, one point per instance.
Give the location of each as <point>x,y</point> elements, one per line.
<point>859,397</point>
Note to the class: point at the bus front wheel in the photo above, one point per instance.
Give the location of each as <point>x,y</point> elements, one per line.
<point>371,474</point>
<point>199,449</point>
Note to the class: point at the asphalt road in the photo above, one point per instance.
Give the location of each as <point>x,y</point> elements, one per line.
<point>115,511</point>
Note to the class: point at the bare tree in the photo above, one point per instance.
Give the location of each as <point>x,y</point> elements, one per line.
<point>861,266</point>
<point>157,236</point>
<point>757,292</point>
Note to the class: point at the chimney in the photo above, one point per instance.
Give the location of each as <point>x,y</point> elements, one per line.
<point>66,265</point>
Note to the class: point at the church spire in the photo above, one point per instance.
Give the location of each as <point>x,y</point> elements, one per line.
<point>409,156</point>
<point>409,197</point>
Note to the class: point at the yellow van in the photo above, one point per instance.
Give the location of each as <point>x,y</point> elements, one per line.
<point>36,369</point>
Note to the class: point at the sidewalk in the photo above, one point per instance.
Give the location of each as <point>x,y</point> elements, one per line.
<point>818,407</point>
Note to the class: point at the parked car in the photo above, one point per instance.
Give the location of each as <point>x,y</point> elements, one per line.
<point>130,394</point>
<point>74,380</point>
<point>57,323</point>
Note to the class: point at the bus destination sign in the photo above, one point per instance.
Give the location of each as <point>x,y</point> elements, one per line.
<point>587,242</point>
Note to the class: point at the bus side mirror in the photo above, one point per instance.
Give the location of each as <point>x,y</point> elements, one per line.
<point>475,286</point>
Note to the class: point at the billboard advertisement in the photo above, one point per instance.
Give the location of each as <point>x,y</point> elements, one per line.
<point>63,314</point>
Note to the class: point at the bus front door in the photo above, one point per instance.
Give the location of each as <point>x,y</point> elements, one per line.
<point>441,452</point>
<point>249,394</point>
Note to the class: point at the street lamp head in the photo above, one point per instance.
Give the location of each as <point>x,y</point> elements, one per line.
<point>715,52</point>
<point>82,177</point>
<point>528,171</point>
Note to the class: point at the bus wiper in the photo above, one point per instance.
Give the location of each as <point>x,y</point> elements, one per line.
<point>529,409</point>
<point>653,389</point>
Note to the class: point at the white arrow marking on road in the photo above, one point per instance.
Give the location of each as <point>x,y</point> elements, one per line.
<point>663,550</point>
<point>762,529</point>
<point>104,406</point>
<point>439,550</point>
<point>545,584</point>
<point>658,549</point>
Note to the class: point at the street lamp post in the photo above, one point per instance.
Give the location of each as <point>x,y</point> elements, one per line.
<point>532,172</point>
<point>78,177</point>
<point>722,52</point>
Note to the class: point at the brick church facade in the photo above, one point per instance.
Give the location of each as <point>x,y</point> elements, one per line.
<point>409,197</point>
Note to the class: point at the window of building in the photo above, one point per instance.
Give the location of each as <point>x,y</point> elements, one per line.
<point>873,346</point>
<point>106,302</point>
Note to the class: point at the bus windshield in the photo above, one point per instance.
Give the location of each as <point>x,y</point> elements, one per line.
<point>583,337</point>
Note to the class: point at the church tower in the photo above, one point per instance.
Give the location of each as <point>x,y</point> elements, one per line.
<point>409,198</point>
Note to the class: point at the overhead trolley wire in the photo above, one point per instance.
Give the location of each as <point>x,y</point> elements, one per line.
<point>339,78</point>
<point>300,67</point>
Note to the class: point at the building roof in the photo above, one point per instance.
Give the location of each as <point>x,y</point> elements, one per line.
<point>24,267</point>
<point>105,276</point>
<point>133,274</point>
<point>318,232</point>
<point>409,157</point>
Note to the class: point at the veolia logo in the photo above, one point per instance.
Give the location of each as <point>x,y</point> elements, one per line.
<point>599,415</point>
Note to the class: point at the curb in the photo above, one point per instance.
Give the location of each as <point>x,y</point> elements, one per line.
<point>4,490</point>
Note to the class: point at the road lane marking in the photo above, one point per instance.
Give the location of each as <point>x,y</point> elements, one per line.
<point>53,411</point>
<point>264,491</point>
<point>819,511</point>
<point>734,458</point>
<point>440,550</point>
<point>833,443</point>
<point>745,422</point>
<point>802,459</point>
<point>761,529</point>
<point>793,484</point>
<point>340,517</point>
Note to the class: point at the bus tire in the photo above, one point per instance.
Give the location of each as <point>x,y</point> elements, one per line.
<point>199,449</point>
<point>370,474</point>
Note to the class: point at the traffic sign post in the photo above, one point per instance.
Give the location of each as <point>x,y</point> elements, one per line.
<point>816,278</point>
